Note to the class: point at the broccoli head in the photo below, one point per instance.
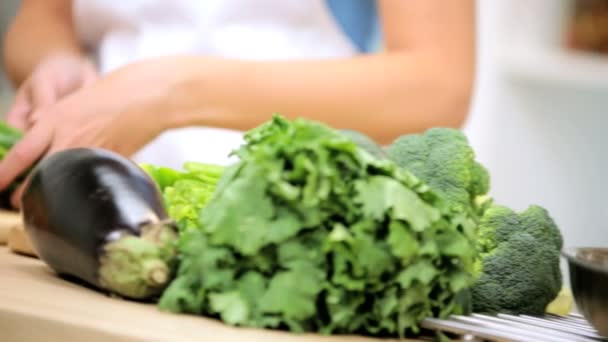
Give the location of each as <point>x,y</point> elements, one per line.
<point>519,271</point>
<point>443,158</point>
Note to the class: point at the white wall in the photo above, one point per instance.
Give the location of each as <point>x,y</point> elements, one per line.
<point>540,126</point>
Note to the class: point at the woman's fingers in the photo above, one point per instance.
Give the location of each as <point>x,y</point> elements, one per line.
<point>43,91</point>
<point>43,94</point>
<point>53,79</point>
<point>18,113</point>
<point>16,196</point>
<point>89,74</point>
<point>25,153</point>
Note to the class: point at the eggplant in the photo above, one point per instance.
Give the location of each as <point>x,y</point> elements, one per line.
<point>97,216</point>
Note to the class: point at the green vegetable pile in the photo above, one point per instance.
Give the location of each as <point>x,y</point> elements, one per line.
<point>9,136</point>
<point>310,232</point>
<point>320,230</point>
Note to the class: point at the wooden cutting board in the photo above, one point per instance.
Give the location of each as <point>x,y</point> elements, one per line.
<point>8,220</point>
<point>36,305</point>
<point>13,233</point>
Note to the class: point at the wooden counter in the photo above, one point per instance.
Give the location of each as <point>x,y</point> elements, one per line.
<point>36,305</point>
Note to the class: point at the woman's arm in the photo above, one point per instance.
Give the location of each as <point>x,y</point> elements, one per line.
<point>41,28</point>
<point>422,79</point>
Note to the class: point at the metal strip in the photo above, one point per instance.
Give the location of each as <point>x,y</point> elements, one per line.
<point>539,322</point>
<point>570,324</point>
<point>571,319</point>
<point>537,335</point>
<point>467,329</point>
<point>503,327</point>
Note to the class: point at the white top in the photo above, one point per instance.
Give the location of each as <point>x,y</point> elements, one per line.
<point>122,32</point>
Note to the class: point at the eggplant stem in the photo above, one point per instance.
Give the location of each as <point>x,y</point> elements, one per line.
<point>139,266</point>
<point>155,273</point>
<point>159,232</point>
<point>159,276</point>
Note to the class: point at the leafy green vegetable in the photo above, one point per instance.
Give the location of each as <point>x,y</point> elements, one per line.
<point>443,158</point>
<point>519,261</point>
<point>186,192</point>
<point>310,232</point>
<point>9,136</point>
<point>366,143</point>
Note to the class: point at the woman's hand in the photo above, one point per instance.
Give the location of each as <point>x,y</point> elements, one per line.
<point>54,78</point>
<point>119,112</point>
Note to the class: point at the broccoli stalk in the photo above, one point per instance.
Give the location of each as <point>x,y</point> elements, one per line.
<point>518,263</point>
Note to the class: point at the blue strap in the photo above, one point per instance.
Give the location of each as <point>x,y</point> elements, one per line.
<point>359,21</point>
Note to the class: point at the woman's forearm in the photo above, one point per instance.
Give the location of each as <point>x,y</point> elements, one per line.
<point>40,28</point>
<point>382,95</point>
<point>423,79</point>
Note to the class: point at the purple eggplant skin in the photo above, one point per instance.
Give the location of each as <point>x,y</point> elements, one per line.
<point>97,216</point>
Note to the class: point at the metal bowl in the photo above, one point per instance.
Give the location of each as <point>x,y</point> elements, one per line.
<point>588,268</point>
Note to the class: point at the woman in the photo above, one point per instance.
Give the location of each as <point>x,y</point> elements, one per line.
<point>136,76</point>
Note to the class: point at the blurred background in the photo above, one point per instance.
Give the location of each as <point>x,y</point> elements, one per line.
<point>7,10</point>
<point>538,116</point>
